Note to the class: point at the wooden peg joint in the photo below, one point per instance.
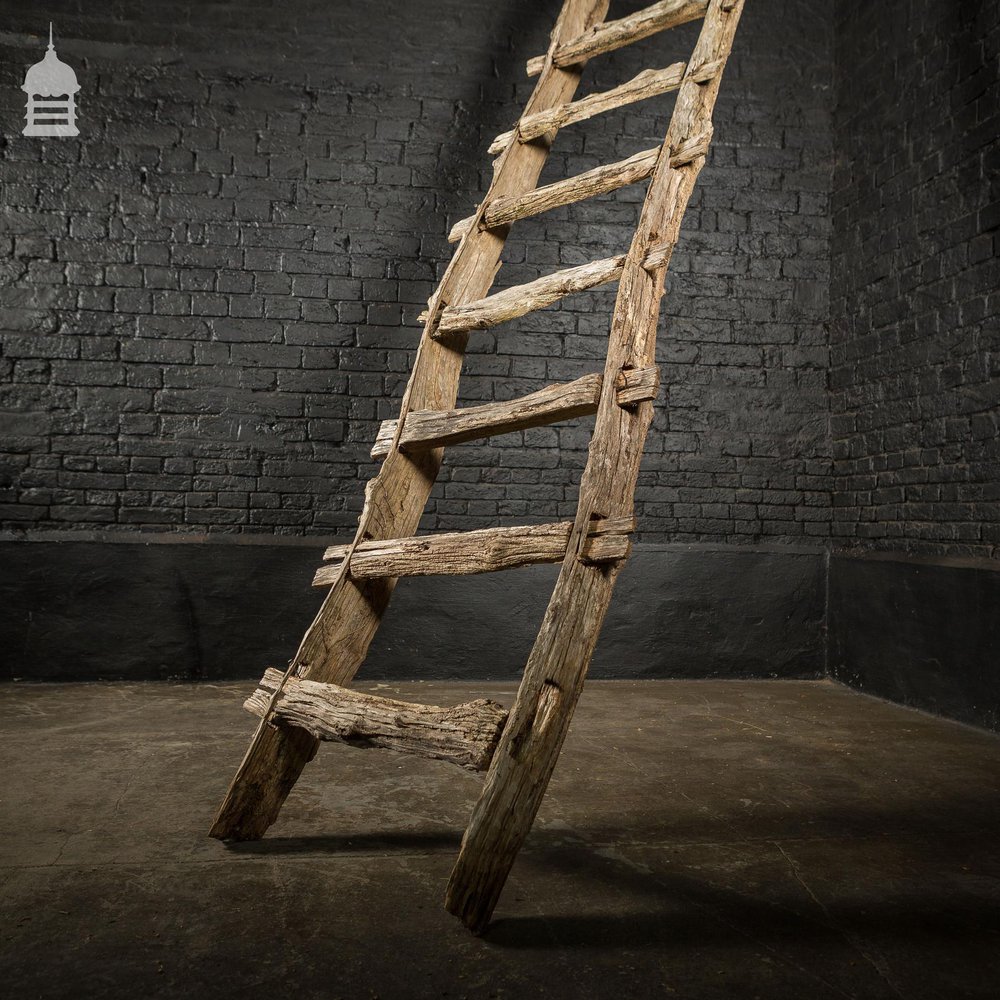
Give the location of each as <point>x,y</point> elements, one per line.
<point>633,385</point>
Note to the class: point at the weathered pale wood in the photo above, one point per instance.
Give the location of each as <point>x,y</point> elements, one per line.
<point>520,299</point>
<point>486,550</point>
<point>691,148</point>
<point>600,180</point>
<point>432,428</point>
<point>335,644</point>
<point>648,83</point>
<point>613,35</point>
<point>465,734</point>
<point>658,256</point>
<point>635,385</point>
<point>553,677</point>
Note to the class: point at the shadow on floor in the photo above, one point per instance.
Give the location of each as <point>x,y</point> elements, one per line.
<point>404,843</point>
<point>667,910</point>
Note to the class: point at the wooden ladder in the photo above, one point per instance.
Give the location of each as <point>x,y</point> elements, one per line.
<point>305,703</point>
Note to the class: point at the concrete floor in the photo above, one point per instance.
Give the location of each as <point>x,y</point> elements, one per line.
<point>700,839</point>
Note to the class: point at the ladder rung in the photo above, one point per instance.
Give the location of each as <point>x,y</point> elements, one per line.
<point>521,299</point>
<point>613,35</point>
<point>483,551</point>
<point>434,428</point>
<point>465,734</point>
<point>648,83</point>
<point>600,180</point>
<point>563,401</point>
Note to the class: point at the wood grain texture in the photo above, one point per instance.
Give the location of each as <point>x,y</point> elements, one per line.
<point>485,550</point>
<point>521,299</point>
<point>432,428</point>
<point>465,734</point>
<point>634,385</point>
<point>648,83</point>
<point>600,180</point>
<point>613,35</point>
<point>554,675</point>
<point>337,641</point>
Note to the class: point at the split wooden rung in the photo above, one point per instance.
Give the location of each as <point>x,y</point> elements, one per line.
<point>562,401</point>
<point>487,550</point>
<point>648,83</point>
<point>436,428</point>
<point>601,180</point>
<point>466,735</point>
<point>613,35</point>
<point>520,299</point>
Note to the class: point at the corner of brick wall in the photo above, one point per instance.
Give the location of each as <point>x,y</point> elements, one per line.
<point>915,356</point>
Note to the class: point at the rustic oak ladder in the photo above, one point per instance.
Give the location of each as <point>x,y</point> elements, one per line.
<point>305,703</point>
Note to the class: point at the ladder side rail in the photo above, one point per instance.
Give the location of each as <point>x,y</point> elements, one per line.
<point>337,641</point>
<point>556,668</point>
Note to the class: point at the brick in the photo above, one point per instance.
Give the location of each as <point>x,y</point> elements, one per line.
<point>237,280</point>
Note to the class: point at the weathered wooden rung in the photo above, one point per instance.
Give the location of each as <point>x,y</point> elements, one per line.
<point>648,83</point>
<point>613,35</point>
<point>521,299</point>
<point>466,734</point>
<point>437,428</point>
<point>563,401</point>
<point>487,550</point>
<point>600,180</point>
<point>634,385</point>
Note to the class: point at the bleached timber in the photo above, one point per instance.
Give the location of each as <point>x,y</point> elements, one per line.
<point>521,299</point>
<point>337,641</point>
<point>465,734</point>
<point>594,182</point>
<point>592,548</point>
<point>613,35</point>
<point>556,668</point>
<point>634,385</point>
<point>648,83</point>
<point>600,180</point>
<point>433,428</point>
<point>486,550</point>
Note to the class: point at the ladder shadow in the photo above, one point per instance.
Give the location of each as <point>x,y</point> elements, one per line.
<point>678,912</point>
<point>403,842</point>
<point>471,129</point>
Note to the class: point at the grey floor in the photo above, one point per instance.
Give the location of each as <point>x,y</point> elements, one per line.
<point>699,839</point>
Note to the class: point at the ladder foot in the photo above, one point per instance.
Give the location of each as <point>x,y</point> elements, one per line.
<point>270,768</point>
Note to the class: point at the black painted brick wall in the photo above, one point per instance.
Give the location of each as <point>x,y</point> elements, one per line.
<point>208,300</point>
<point>915,347</point>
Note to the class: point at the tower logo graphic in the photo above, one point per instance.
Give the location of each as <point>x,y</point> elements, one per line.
<point>51,88</point>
